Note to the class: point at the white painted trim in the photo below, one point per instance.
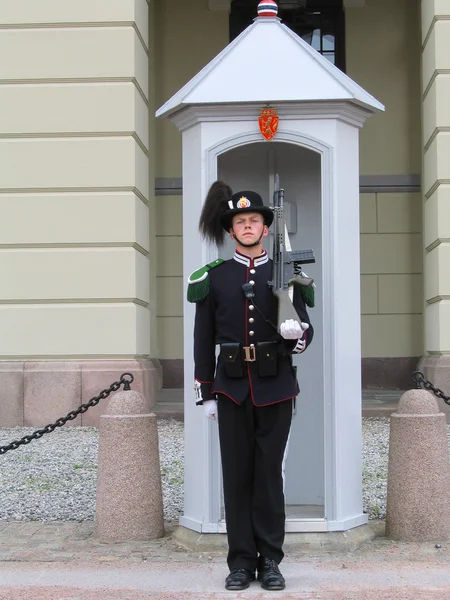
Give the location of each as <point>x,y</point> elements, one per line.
<point>291,526</point>
<point>328,269</point>
<point>283,135</point>
<point>347,111</point>
<point>322,525</point>
<point>190,94</point>
<point>346,524</point>
<point>338,142</point>
<point>222,527</point>
<point>327,178</point>
<point>199,527</point>
<point>306,526</point>
<point>219,527</point>
<point>190,524</point>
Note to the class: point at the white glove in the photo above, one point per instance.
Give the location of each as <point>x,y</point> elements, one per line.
<point>292,330</point>
<point>210,408</point>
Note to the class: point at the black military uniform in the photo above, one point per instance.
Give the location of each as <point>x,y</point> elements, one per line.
<point>227,316</point>
<point>255,383</point>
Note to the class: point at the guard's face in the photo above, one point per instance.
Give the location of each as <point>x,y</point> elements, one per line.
<point>248,227</point>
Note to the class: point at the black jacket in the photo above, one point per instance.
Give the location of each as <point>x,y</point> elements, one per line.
<point>225,315</point>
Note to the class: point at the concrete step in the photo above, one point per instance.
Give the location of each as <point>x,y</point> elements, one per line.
<point>170,404</point>
<point>380,403</point>
<point>375,403</point>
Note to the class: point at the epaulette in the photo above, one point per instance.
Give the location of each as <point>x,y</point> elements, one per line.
<point>198,281</point>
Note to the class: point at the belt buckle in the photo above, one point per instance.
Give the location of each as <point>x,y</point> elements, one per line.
<point>250,353</point>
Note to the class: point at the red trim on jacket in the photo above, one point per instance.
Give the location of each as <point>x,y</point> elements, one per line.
<point>224,394</point>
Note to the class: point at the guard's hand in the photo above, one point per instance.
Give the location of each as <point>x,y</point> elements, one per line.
<point>291,329</point>
<point>210,408</point>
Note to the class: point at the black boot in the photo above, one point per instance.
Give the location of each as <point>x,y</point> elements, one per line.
<point>269,574</point>
<point>239,579</point>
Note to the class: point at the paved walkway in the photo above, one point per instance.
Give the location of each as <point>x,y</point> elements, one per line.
<point>65,561</point>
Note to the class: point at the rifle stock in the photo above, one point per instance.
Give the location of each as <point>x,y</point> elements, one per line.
<point>286,263</point>
<point>286,309</point>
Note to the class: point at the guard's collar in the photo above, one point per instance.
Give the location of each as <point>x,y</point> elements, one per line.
<point>251,262</point>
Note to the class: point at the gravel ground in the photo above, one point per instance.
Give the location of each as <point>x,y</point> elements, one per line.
<point>375,434</point>
<point>54,478</point>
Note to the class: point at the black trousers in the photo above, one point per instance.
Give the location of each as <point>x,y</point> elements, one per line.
<point>252,443</point>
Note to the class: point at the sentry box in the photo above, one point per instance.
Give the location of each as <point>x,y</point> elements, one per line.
<point>270,105</point>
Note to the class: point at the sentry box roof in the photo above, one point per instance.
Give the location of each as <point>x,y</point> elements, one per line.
<point>268,63</point>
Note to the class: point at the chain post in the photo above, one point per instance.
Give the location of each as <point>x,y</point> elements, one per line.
<point>125,379</point>
<point>417,378</point>
<point>421,382</point>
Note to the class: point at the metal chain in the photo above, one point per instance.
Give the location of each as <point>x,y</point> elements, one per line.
<point>421,382</point>
<point>72,414</point>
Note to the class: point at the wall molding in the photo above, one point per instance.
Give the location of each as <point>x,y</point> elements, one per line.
<point>389,183</point>
<point>173,186</point>
<point>168,186</point>
<point>383,373</point>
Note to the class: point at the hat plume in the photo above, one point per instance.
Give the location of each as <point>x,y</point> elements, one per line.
<point>216,202</point>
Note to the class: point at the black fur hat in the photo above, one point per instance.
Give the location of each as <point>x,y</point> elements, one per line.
<point>221,205</point>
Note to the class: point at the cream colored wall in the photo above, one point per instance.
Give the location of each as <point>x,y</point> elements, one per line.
<point>74,179</point>
<point>152,217</point>
<point>383,55</point>
<point>436,188</point>
<point>169,307</point>
<point>391,275</point>
<point>188,36</point>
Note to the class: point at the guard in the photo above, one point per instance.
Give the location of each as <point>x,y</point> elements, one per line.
<point>251,390</point>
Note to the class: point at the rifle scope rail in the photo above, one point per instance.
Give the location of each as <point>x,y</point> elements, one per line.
<point>302,256</point>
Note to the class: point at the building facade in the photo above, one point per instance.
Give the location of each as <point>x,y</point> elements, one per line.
<point>91,188</point>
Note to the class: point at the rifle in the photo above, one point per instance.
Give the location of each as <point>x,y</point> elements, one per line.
<point>286,263</point>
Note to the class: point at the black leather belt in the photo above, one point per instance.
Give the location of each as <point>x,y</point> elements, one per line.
<point>264,354</point>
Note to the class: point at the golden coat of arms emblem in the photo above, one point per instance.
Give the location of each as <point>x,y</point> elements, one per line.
<point>268,122</point>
